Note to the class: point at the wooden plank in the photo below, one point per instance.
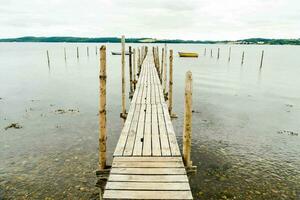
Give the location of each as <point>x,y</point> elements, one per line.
<point>156,186</point>
<point>139,139</point>
<point>165,147</point>
<point>170,131</point>
<point>125,131</point>
<point>166,171</point>
<point>147,164</point>
<point>156,147</point>
<point>147,159</point>
<point>132,132</point>
<point>147,144</point>
<point>129,194</point>
<point>148,178</point>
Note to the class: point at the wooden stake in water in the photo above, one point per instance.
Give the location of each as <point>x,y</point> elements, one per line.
<point>187,126</point>
<point>165,70</point>
<point>77,53</point>
<point>229,56</point>
<point>123,114</point>
<point>102,110</point>
<point>48,58</point>
<point>87,51</point>
<point>262,59</point>
<point>96,50</point>
<point>205,52</point>
<point>218,53</point>
<point>243,56</point>
<point>134,70</point>
<point>65,54</point>
<point>162,64</point>
<point>171,82</point>
<point>211,54</point>
<point>130,72</point>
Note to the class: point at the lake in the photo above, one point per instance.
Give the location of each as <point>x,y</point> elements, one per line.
<point>246,127</point>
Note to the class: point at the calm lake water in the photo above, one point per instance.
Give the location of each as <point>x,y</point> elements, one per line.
<point>246,127</point>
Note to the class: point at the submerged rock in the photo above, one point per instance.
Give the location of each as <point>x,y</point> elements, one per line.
<point>13,125</point>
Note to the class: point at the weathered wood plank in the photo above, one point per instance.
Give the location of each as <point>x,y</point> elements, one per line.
<point>147,164</point>
<point>156,186</point>
<point>147,148</point>
<point>147,159</point>
<point>139,139</point>
<point>170,131</point>
<point>129,194</point>
<point>153,171</point>
<point>165,147</point>
<point>147,178</point>
<point>132,132</point>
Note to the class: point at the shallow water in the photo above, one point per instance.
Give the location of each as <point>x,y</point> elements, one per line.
<point>242,120</point>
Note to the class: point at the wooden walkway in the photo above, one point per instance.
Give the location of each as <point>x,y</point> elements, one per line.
<point>147,163</point>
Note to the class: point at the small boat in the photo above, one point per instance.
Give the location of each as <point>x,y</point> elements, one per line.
<point>188,54</point>
<point>119,53</point>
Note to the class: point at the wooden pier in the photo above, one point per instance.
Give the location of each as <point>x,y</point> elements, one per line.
<point>147,163</point>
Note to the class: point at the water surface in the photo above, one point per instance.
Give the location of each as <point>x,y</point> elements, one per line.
<point>245,120</point>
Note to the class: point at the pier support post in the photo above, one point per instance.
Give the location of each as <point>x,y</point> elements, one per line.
<point>170,99</point>
<point>123,113</point>
<point>102,109</point>
<point>187,126</point>
<point>165,73</point>
<point>65,54</point>
<point>211,53</point>
<point>261,59</point>
<point>87,51</point>
<point>229,55</point>
<point>134,70</point>
<point>205,52</point>
<point>243,56</point>
<point>162,65</point>
<point>139,61</point>
<point>77,53</point>
<point>48,58</point>
<point>218,57</point>
<point>130,73</point>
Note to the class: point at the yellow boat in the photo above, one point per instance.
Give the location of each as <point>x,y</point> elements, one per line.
<point>188,54</point>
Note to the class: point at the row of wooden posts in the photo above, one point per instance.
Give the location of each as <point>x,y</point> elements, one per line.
<point>77,53</point>
<point>243,56</point>
<point>162,72</point>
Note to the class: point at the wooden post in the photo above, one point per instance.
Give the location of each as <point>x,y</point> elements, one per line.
<point>158,63</point>
<point>123,114</point>
<point>218,53</point>
<point>139,61</point>
<point>187,126</point>
<point>102,110</point>
<point>96,50</point>
<point>229,56</point>
<point>243,56</point>
<point>211,55</point>
<point>134,71</point>
<point>165,71</point>
<point>162,64</point>
<point>130,73</point>
<point>77,53</point>
<point>171,82</point>
<point>205,52</point>
<point>48,58</point>
<point>261,59</point>
<point>65,54</point>
<point>87,51</point>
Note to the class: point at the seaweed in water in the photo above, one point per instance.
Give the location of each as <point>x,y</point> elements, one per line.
<point>13,125</point>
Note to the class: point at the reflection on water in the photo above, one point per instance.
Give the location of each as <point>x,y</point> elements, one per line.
<point>243,120</point>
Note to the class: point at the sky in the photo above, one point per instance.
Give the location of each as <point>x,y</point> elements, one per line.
<point>162,19</point>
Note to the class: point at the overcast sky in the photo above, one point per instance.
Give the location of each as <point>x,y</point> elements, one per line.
<point>182,19</point>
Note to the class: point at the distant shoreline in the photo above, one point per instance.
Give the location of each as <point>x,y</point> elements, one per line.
<point>254,41</point>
